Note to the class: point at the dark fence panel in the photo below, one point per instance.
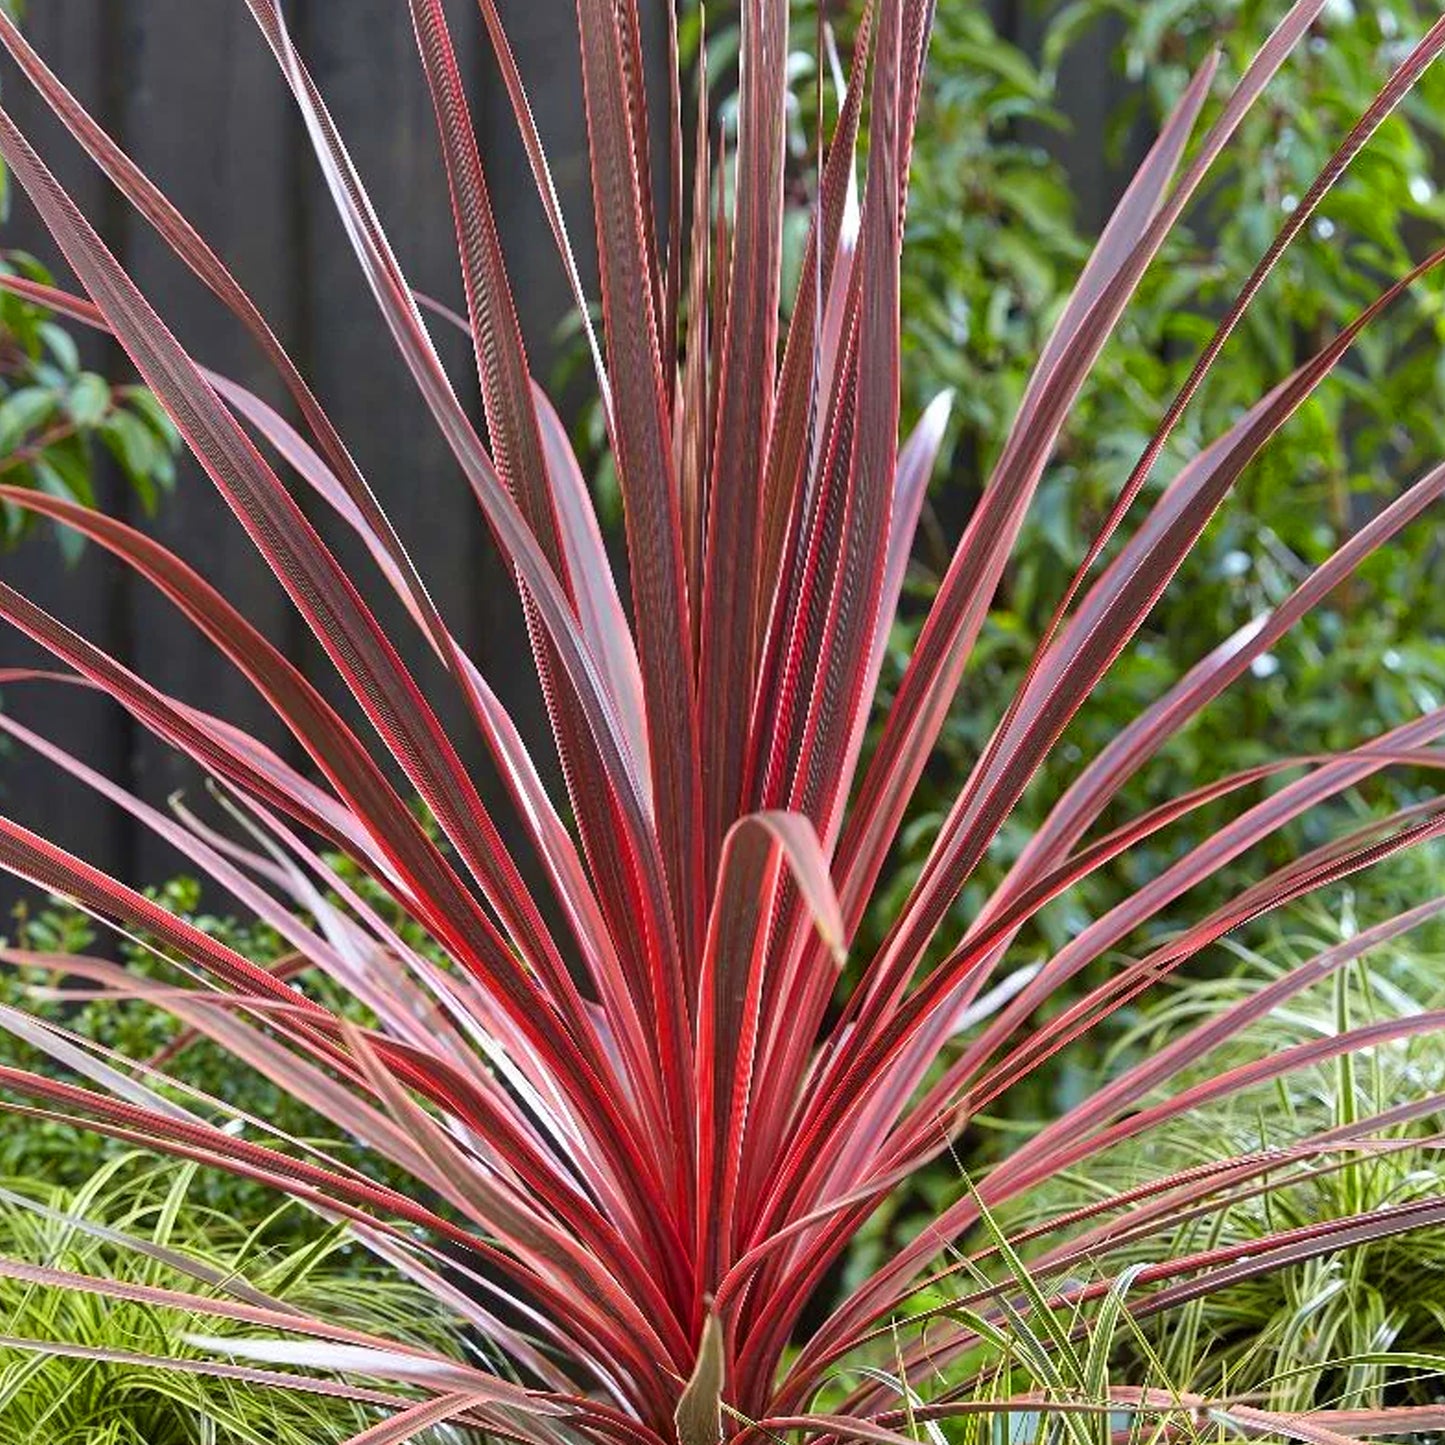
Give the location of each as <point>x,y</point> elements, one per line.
<point>81,41</point>
<point>188,87</point>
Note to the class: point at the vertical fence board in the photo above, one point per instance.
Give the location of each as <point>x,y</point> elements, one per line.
<point>76,38</point>
<point>207,117</point>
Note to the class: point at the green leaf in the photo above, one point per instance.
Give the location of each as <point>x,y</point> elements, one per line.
<point>88,400</point>
<point>150,411</point>
<point>49,480</point>
<point>22,413</point>
<point>61,345</point>
<point>70,460</point>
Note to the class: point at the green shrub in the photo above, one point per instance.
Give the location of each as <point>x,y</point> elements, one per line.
<point>1368,1301</point>
<point>65,1156</point>
<point>984,277</point>
<point>88,1397</point>
<point>54,413</point>
<point>1341,1329</point>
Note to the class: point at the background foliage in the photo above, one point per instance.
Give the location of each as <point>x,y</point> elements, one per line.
<point>1334,1328</point>
<point>66,1157</point>
<point>984,279</point>
<point>54,412</point>
<point>80,1401</point>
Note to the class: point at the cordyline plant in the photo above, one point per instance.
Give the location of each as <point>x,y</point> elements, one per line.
<point>644,1133</point>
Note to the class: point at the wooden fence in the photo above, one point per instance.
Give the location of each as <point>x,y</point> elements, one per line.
<point>191,92</point>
